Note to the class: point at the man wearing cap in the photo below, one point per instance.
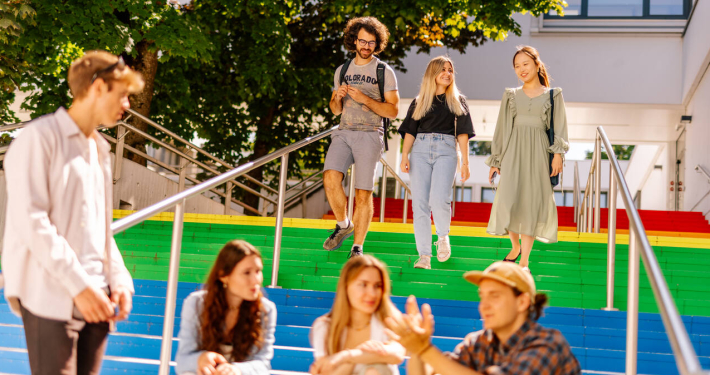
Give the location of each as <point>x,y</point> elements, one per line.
<point>63,271</point>
<point>512,342</point>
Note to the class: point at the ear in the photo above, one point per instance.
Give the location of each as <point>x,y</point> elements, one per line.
<point>524,303</point>
<point>224,279</point>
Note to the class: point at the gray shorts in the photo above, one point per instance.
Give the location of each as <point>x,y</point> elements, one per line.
<point>360,147</point>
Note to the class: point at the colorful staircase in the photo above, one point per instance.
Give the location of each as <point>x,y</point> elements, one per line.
<point>572,273</point>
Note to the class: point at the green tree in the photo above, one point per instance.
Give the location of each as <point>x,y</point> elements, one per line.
<point>146,33</point>
<point>15,17</point>
<point>622,152</point>
<point>248,76</point>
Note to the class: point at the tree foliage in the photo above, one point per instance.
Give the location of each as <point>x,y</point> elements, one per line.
<point>248,76</point>
<point>622,152</point>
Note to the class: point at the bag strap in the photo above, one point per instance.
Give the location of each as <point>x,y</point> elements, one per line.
<point>551,131</point>
<point>344,70</point>
<point>381,84</point>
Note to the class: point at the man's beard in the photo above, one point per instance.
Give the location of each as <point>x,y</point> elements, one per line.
<point>363,56</point>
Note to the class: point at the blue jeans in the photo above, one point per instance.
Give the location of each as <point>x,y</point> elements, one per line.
<point>432,164</point>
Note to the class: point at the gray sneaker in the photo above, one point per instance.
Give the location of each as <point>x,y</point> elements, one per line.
<point>335,240</point>
<point>443,249</point>
<point>424,262</point>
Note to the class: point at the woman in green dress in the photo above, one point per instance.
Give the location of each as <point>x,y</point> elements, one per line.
<point>524,204</point>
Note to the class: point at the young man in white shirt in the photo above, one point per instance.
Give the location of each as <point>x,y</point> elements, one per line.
<point>63,272</point>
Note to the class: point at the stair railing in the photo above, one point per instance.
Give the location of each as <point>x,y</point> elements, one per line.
<point>185,159</point>
<point>386,167</point>
<point>178,202</point>
<point>700,169</point>
<point>639,245</point>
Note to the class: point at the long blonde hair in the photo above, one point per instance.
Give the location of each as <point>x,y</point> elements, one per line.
<point>427,91</point>
<point>340,313</point>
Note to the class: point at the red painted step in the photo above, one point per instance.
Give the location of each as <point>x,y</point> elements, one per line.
<point>669,221</point>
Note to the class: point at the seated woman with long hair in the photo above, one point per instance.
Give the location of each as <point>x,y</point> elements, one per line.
<point>351,338</point>
<point>228,328</point>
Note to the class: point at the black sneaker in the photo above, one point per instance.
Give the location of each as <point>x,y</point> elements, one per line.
<point>356,251</point>
<point>335,240</point>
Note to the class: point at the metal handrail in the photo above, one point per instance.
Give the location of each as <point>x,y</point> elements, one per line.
<point>178,201</point>
<point>386,167</point>
<point>122,126</point>
<point>700,169</point>
<point>575,192</point>
<point>196,148</point>
<point>685,355</point>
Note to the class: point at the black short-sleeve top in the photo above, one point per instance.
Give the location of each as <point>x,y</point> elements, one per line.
<point>439,119</point>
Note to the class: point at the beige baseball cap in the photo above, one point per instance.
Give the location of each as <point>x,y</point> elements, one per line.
<point>508,273</point>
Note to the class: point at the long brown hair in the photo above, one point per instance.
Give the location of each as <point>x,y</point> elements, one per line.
<point>428,90</point>
<point>542,74</point>
<point>340,313</point>
<point>248,331</point>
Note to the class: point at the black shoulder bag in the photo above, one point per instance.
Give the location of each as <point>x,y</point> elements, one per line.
<point>554,180</point>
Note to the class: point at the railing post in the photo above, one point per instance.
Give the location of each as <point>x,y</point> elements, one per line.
<point>304,209</point>
<point>120,143</point>
<point>632,310</point>
<point>453,201</point>
<point>351,192</point>
<point>590,213</point>
<point>598,184</point>
<point>283,176</point>
<point>383,193</point>
<point>173,272</point>
<point>575,194</point>
<point>182,175</point>
<point>611,242</point>
<point>228,198</point>
<point>406,208</point>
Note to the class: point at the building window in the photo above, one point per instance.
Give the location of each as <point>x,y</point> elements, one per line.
<point>658,9</point>
<point>487,195</point>
<point>467,194</point>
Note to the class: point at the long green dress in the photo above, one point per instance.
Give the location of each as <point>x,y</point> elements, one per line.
<point>524,202</point>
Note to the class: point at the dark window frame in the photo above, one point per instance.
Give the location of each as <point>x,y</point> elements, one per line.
<point>584,8</point>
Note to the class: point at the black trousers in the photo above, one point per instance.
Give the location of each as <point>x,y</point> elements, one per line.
<point>57,347</point>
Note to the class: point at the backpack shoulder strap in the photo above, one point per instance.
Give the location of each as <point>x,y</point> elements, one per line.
<point>381,79</point>
<point>552,116</point>
<point>344,69</point>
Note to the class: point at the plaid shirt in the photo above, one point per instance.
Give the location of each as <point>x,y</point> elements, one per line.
<point>532,350</point>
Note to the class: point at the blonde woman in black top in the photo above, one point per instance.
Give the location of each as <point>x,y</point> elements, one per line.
<point>438,119</point>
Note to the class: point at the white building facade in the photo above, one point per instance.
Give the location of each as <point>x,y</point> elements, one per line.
<point>634,67</point>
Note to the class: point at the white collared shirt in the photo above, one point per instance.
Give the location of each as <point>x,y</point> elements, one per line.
<point>59,212</point>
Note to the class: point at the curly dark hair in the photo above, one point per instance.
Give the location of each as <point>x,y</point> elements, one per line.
<point>372,26</point>
<point>248,332</point>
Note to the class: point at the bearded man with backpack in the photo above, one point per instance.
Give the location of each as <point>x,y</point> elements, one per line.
<point>366,98</point>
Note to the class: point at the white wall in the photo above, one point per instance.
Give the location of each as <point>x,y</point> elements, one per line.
<point>644,69</point>
<point>697,150</point>
<point>696,49</point>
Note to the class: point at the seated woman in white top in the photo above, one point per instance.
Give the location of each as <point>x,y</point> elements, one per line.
<point>228,328</point>
<point>351,338</point>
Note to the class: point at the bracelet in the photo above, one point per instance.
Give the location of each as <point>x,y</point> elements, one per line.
<point>427,347</point>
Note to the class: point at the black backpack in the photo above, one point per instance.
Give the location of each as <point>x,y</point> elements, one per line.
<point>381,84</point>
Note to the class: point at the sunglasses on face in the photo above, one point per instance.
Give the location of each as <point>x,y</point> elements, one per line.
<point>363,43</point>
<point>120,65</point>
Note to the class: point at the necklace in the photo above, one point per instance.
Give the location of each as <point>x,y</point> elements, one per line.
<point>360,329</point>
<point>437,98</point>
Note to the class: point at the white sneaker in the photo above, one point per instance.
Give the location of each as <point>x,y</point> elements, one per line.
<point>424,262</point>
<point>443,249</point>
